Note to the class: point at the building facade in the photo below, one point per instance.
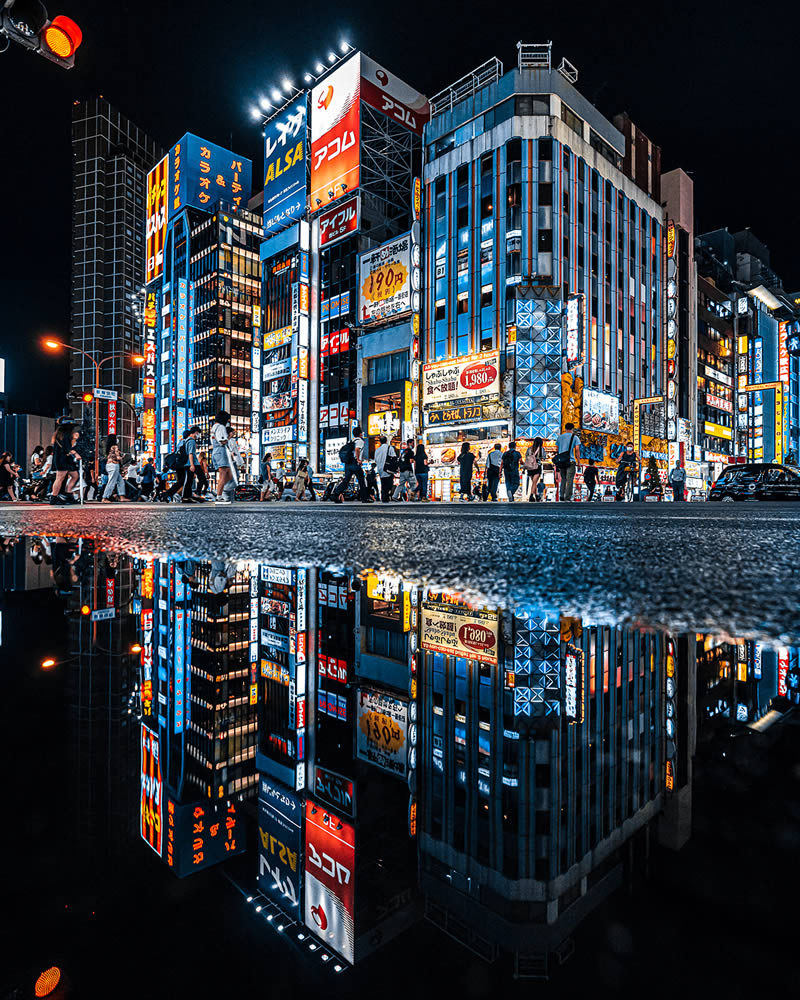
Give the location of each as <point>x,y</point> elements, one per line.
<point>110,160</point>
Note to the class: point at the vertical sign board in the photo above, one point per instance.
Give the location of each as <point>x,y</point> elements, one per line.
<point>182,320</point>
<point>335,134</point>
<point>203,174</point>
<point>382,731</point>
<point>202,834</point>
<point>150,812</point>
<point>285,166</point>
<point>157,215</point>
<point>329,879</point>
<point>112,416</point>
<point>280,827</point>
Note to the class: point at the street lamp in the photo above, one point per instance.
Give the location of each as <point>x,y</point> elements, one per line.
<point>54,345</point>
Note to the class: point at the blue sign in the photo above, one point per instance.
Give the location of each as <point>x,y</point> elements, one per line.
<point>285,166</point>
<point>203,174</point>
<point>280,820</point>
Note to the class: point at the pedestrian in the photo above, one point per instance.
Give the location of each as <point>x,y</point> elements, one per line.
<point>567,459</point>
<point>386,465</point>
<point>533,466</point>
<point>201,472</point>
<point>310,481</point>
<point>266,477</point>
<point>148,477</point>
<point>301,479</point>
<point>421,470</point>
<point>221,458</point>
<point>627,468</point>
<point>512,458</point>
<point>65,466</point>
<point>466,463</point>
<point>677,480</point>
<point>494,466</point>
<point>351,456</point>
<point>280,479</point>
<point>130,477</point>
<point>590,477</point>
<point>406,481</point>
<point>37,461</point>
<point>237,459</point>
<point>186,466</point>
<point>7,477</point>
<point>114,470</point>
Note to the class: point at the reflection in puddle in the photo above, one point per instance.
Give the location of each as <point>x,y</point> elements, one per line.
<point>374,754</point>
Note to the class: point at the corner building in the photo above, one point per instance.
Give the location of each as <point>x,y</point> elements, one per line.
<point>543,260</point>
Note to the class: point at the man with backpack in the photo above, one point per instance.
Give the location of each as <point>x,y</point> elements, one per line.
<point>351,456</point>
<point>183,461</point>
<point>511,462</point>
<point>567,457</point>
<point>677,480</point>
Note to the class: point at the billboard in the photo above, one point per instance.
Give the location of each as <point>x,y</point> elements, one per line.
<point>157,214</point>
<point>150,811</point>
<point>468,380</point>
<point>338,222</point>
<point>202,173</point>
<point>335,134</point>
<point>600,412</point>
<point>329,879</point>
<point>285,166</point>
<point>391,96</point>
<point>202,834</point>
<point>451,626</point>
<point>384,284</point>
<point>382,731</point>
<point>334,789</point>
<point>280,822</point>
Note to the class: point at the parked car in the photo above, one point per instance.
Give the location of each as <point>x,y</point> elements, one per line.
<point>757,481</point>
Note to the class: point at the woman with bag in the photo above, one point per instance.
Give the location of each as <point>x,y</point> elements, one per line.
<point>113,467</point>
<point>466,462</point>
<point>220,457</point>
<point>533,466</point>
<point>301,479</point>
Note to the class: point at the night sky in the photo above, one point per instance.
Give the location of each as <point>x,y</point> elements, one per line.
<point>711,83</point>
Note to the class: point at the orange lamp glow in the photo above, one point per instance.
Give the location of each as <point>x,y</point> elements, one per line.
<point>63,36</point>
<point>136,648</point>
<point>52,344</point>
<point>87,397</point>
<point>48,664</point>
<point>137,359</point>
<point>47,981</point>
<point>86,610</point>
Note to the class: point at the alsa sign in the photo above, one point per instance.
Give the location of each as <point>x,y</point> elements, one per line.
<point>468,380</point>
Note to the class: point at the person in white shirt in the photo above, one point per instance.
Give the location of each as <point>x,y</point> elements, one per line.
<point>567,458</point>
<point>221,457</point>
<point>385,451</point>
<point>494,465</point>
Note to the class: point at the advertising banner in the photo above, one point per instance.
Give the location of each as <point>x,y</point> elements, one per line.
<point>150,812</point>
<point>600,412</point>
<point>335,134</point>
<point>451,626</point>
<point>203,173</point>
<point>468,380</point>
<point>391,96</point>
<point>338,222</point>
<point>280,822</point>
<point>334,789</point>
<point>332,447</point>
<point>157,215</point>
<point>202,834</point>
<point>329,879</point>
<point>382,731</point>
<point>385,281</point>
<point>285,166</point>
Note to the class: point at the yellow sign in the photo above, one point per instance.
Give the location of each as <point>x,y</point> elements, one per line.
<point>382,731</point>
<point>717,430</point>
<point>253,694</point>
<point>383,588</point>
<point>276,338</point>
<point>671,240</point>
<point>385,422</point>
<point>384,282</point>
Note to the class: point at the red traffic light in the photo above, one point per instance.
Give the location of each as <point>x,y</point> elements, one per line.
<point>62,36</point>
<point>87,397</point>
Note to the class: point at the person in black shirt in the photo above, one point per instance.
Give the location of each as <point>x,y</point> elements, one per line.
<point>421,470</point>
<point>406,479</point>
<point>466,461</point>
<point>628,466</point>
<point>590,477</point>
<point>511,460</point>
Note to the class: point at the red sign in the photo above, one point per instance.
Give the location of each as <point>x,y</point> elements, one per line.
<point>112,416</point>
<point>150,812</point>
<point>783,355</point>
<point>110,592</point>
<point>476,637</point>
<point>391,96</point>
<point>338,222</point>
<point>478,376</point>
<point>783,670</point>
<point>335,128</point>
<point>333,342</point>
<point>329,871</point>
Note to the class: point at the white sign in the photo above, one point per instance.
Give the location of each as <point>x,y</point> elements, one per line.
<point>103,614</point>
<point>471,379</point>
<point>600,412</point>
<point>105,393</point>
<point>332,461</point>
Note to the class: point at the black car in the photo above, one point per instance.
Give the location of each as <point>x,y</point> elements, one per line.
<point>757,481</point>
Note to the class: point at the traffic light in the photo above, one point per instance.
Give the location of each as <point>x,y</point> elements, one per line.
<point>81,397</point>
<point>27,23</point>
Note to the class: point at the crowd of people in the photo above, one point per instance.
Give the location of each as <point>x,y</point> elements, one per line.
<point>62,472</point>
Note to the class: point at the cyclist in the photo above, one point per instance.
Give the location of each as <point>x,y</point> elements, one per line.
<point>627,470</point>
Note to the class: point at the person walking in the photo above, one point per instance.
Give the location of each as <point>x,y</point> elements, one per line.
<point>352,455</point>
<point>148,477</point>
<point>406,481</point>
<point>301,479</point>
<point>466,464</point>
<point>114,470</point>
<point>186,467</point>
<point>677,480</point>
<point>65,466</point>
<point>266,477</point>
<point>221,459</point>
<point>310,480</point>
<point>590,478</point>
<point>512,458</point>
<point>421,470</point>
<point>386,465</point>
<point>494,466</point>
<point>533,466</point>
<point>567,459</point>
<point>201,474</point>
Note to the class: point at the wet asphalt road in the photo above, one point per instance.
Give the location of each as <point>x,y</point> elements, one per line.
<point>727,568</point>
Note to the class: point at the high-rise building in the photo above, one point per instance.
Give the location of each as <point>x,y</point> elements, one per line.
<point>544,268</point>
<point>110,160</point>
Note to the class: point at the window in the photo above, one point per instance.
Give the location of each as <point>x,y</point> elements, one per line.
<point>569,117</point>
<point>532,104</point>
<point>387,368</point>
<point>382,642</point>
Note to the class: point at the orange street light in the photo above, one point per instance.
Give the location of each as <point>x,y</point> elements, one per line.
<point>136,648</point>
<point>54,345</point>
<point>137,359</point>
<point>86,610</point>
<point>48,664</point>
